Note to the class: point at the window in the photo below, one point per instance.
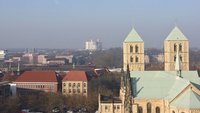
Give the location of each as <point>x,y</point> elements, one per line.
<point>64,90</point>
<point>106,108</point>
<point>140,109</point>
<point>131,59</point>
<point>69,84</point>
<point>78,90</point>
<point>136,59</point>
<point>157,109</point>
<point>149,107</point>
<point>173,111</point>
<point>84,91</point>
<point>64,84</point>
<point>69,91</point>
<point>181,58</point>
<point>180,47</point>
<point>175,48</point>
<point>136,49</point>
<point>78,84</point>
<point>74,84</point>
<point>84,84</point>
<point>74,90</point>
<point>131,49</point>
<point>118,107</point>
<point>175,58</point>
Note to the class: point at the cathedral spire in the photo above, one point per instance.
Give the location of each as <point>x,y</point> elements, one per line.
<point>178,64</point>
<point>128,94</point>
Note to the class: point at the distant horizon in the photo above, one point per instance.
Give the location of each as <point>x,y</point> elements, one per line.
<point>69,23</point>
<point>81,48</point>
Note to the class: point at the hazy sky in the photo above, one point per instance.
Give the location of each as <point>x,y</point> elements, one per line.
<point>69,23</point>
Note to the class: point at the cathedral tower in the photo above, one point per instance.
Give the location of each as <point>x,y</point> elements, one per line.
<point>176,41</point>
<point>133,52</point>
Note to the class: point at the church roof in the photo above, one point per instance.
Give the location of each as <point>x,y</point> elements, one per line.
<point>189,99</point>
<point>161,84</point>
<point>133,36</point>
<point>176,34</point>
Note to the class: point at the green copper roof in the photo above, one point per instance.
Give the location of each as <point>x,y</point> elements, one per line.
<point>176,34</point>
<point>160,84</point>
<point>133,36</point>
<point>188,99</point>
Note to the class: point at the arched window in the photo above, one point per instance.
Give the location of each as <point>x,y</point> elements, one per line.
<point>157,109</point>
<point>131,49</point>
<point>175,58</point>
<point>175,47</point>
<point>136,49</point>
<point>131,59</point>
<point>180,47</point>
<point>140,109</point>
<point>136,59</point>
<point>173,111</point>
<point>149,107</point>
<point>181,58</point>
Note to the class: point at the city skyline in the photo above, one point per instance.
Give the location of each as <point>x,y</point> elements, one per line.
<point>68,24</point>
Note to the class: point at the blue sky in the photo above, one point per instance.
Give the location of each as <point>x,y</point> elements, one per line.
<point>69,23</point>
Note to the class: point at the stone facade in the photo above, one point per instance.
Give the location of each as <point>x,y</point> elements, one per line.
<point>176,41</point>
<point>133,52</point>
<point>74,88</point>
<point>170,48</point>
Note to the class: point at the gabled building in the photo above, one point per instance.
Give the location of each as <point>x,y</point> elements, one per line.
<point>75,83</point>
<point>37,81</point>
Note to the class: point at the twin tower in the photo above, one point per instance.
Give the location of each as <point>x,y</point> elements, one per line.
<point>133,51</point>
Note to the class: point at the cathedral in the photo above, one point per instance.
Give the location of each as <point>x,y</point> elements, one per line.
<point>174,90</point>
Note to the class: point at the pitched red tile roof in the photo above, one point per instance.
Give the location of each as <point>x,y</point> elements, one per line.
<point>75,76</point>
<point>37,76</point>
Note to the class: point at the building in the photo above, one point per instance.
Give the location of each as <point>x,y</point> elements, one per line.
<point>93,45</point>
<point>2,54</point>
<point>37,81</point>
<point>4,91</point>
<point>176,41</point>
<point>133,51</point>
<point>160,58</point>
<point>67,57</point>
<point>75,83</point>
<point>170,91</point>
<point>42,59</point>
<point>28,58</point>
<point>57,61</point>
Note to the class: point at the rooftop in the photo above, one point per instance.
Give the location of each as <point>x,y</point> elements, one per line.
<point>176,34</point>
<point>133,36</point>
<point>161,84</point>
<point>75,76</point>
<point>188,99</point>
<point>37,76</point>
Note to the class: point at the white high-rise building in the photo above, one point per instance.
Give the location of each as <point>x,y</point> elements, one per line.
<point>93,45</point>
<point>2,54</point>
